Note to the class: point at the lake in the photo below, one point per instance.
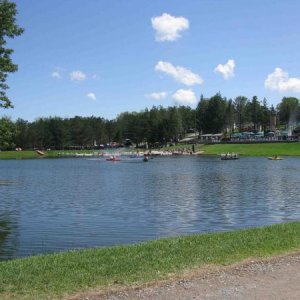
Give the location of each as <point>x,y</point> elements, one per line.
<point>49,205</point>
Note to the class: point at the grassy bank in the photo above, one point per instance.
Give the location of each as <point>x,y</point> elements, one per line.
<point>69,272</point>
<point>18,154</point>
<point>32,154</point>
<point>260,149</point>
<point>266,149</point>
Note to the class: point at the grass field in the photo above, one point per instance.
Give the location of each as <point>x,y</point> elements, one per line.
<point>33,154</point>
<point>260,149</point>
<point>66,273</point>
<point>264,149</point>
<point>18,154</point>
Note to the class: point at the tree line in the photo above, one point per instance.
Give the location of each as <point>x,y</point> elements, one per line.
<point>155,126</point>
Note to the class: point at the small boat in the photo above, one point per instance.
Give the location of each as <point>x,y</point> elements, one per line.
<point>275,157</point>
<point>229,156</point>
<point>113,158</point>
<point>39,152</point>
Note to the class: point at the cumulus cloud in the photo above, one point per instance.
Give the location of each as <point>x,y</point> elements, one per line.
<point>56,74</point>
<point>77,76</point>
<point>92,96</point>
<point>226,70</point>
<point>280,81</point>
<point>180,74</point>
<point>184,97</point>
<point>167,27</point>
<point>157,95</point>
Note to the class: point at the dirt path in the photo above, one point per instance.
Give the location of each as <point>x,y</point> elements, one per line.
<point>277,278</point>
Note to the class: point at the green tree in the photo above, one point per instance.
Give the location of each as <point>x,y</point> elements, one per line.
<point>98,125</point>
<point>154,135</point>
<point>288,110</point>
<point>266,115</point>
<point>188,118</point>
<point>8,29</point>
<point>229,117</point>
<point>211,114</point>
<point>215,114</point>
<point>126,126</point>
<point>22,139</point>
<point>174,124</point>
<point>7,134</point>
<point>201,114</point>
<point>56,129</point>
<point>255,112</point>
<point>38,133</point>
<point>240,104</point>
<point>110,128</point>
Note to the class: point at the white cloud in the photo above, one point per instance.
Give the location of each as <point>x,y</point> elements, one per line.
<point>226,70</point>
<point>157,95</point>
<point>180,74</point>
<point>280,81</point>
<point>56,74</point>
<point>77,75</point>
<point>167,27</point>
<point>92,96</point>
<point>184,97</point>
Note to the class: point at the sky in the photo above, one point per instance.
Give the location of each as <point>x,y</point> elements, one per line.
<point>105,57</point>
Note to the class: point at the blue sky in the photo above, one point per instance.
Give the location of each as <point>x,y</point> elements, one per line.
<point>104,57</point>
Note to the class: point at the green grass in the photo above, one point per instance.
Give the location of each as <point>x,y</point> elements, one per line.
<point>66,273</point>
<point>259,149</point>
<point>33,154</point>
<point>266,149</point>
<point>18,154</point>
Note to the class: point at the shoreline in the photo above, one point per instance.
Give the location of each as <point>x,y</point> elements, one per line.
<point>247,149</point>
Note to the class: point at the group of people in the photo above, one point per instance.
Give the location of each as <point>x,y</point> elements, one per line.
<point>230,156</point>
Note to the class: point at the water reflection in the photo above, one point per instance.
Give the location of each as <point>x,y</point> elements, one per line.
<point>8,236</point>
<point>60,204</point>
<point>5,182</point>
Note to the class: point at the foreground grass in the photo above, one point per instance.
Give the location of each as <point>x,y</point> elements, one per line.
<point>66,273</point>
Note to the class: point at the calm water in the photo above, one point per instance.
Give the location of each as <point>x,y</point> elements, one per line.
<point>52,205</point>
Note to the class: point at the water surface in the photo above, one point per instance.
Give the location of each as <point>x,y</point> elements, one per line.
<point>57,204</point>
